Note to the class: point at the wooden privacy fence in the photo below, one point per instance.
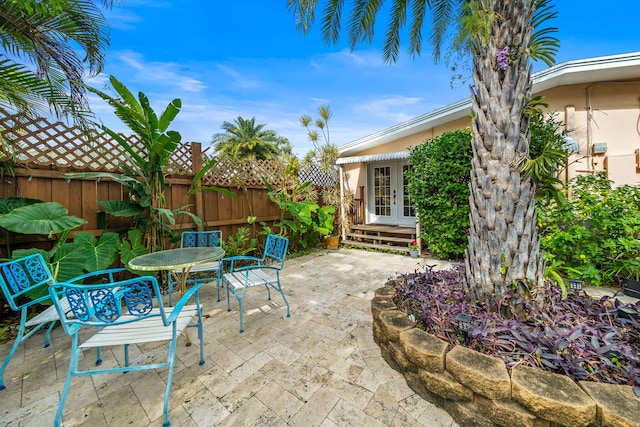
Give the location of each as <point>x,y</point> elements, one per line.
<point>45,151</point>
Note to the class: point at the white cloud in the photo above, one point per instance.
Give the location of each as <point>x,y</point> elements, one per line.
<point>392,108</point>
<point>240,80</point>
<point>166,73</point>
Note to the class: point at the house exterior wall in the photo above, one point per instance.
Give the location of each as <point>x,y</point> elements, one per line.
<point>355,174</point>
<point>614,120</point>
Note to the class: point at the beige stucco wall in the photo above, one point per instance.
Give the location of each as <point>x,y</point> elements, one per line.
<point>614,119</point>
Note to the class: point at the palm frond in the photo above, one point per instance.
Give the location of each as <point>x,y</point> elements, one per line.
<point>397,21</point>
<point>543,45</point>
<point>418,12</point>
<point>443,14</point>
<point>331,23</point>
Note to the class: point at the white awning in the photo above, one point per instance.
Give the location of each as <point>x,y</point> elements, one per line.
<point>373,158</point>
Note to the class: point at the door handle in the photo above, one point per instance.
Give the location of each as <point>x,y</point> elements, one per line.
<point>394,197</point>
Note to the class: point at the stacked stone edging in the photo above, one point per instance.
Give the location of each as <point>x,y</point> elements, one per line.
<point>478,390</point>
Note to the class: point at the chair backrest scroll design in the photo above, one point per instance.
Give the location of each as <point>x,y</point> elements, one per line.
<point>199,239</point>
<point>22,275</point>
<point>276,248</point>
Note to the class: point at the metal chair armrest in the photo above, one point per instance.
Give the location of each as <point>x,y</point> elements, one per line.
<point>181,303</point>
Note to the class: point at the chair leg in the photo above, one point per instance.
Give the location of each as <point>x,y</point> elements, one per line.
<point>172,353</point>
<point>73,367</point>
<point>285,299</point>
<point>228,302</point>
<point>240,304</point>
<point>218,286</point>
<point>47,336</point>
<point>201,337</point>
<point>18,340</point>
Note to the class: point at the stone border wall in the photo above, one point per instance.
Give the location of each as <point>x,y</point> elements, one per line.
<point>478,390</point>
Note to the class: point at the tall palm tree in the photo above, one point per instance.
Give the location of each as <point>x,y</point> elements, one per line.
<point>244,139</point>
<point>503,245</point>
<point>45,47</point>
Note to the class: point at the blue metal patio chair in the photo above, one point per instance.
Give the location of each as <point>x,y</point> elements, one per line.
<point>24,283</point>
<point>123,313</point>
<point>238,280</point>
<point>200,239</point>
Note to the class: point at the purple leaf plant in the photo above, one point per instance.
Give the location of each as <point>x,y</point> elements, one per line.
<point>580,337</point>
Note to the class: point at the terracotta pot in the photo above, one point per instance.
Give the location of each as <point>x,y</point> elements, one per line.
<point>332,242</point>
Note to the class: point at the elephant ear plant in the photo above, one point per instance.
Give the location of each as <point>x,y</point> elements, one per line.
<point>50,219</point>
<point>143,173</point>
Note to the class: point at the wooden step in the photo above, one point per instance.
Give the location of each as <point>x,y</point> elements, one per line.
<point>362,236</point>
<point>368,228</point>
<point>375,246</point>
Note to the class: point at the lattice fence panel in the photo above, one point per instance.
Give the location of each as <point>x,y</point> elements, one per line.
<point>41,144</point>
<point>228,171</point>
<point>318,177</point>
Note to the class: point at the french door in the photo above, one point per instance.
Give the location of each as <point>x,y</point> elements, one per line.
<point>388,199</point>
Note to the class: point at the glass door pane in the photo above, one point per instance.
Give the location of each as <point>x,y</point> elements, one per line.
<point>382,190</point>
<point>407,207</point>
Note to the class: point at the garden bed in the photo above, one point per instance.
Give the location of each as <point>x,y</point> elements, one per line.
<point>574,364</point>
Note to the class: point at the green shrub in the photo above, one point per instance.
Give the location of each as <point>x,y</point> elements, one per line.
<point>438,187</point>
<point>438,182</point>
<point>596,233</point>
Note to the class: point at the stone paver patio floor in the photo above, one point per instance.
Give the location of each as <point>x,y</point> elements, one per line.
<point>320,367</point>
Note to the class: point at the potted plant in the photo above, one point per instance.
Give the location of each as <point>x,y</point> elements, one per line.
<point>414,249</point>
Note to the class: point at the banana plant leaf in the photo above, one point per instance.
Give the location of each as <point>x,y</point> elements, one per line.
<point>121,208</point>
<point>45,218</point>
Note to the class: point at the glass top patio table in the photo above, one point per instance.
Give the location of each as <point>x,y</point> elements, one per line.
<point>173,259</point>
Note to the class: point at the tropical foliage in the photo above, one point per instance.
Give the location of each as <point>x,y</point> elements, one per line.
<point>144,172</point>
<point>47,48</point>
<point>324,155</point>
<point>244,139</point>
<point>303,221</point>
<point>51,220</point>
<point>595,236</point>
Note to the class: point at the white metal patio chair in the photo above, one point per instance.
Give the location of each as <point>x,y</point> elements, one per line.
<point>208,272</point>
<point>24,283</point>
<point>123,313</point>
<point>238,280</point>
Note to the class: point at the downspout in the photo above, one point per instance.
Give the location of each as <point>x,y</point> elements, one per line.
<point>342,210</point>
<point>589,129</point>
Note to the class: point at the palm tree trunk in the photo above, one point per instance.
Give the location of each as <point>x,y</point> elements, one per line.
<point>504,246</point>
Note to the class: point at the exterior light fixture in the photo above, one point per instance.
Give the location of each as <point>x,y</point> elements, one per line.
<point>627,311</point>
<point>464,322</point>
<point>575,285</point>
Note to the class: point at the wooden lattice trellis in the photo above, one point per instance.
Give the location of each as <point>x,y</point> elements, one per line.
<point>41,144</point>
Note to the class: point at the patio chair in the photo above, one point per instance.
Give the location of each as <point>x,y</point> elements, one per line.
<point>123,313</point>
<point>238,280</point>
<point>199,239</point>
<point>24,283</point>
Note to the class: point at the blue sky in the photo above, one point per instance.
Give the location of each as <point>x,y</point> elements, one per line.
<point>226,59</point>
